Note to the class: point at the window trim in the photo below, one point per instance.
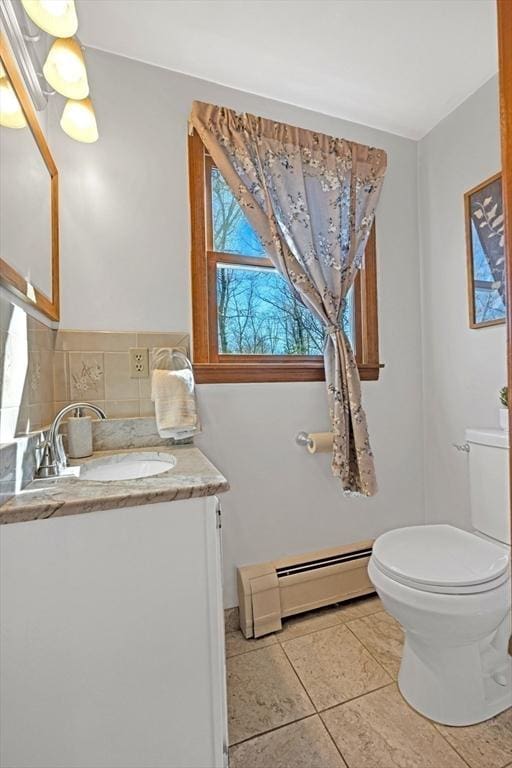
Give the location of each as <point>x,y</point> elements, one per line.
<point>212,367</point>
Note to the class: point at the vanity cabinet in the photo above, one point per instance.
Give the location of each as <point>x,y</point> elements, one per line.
<point>112,650</point>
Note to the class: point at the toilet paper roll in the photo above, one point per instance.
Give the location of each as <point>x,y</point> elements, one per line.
<point>321,442</point>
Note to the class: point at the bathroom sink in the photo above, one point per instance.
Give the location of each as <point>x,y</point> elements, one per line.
<point>127,466</point>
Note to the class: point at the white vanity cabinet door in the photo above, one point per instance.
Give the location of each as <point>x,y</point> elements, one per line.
<point>112,647</point>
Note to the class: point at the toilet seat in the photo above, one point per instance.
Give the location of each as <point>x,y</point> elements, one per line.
<point>441,559</point>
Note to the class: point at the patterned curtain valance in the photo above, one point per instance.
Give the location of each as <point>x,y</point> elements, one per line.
<point>226,122</point>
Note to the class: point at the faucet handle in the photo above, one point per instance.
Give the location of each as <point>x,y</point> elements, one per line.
<point>48,466</point>
<point>61,458</point>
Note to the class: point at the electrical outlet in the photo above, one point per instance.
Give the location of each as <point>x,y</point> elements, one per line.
<point>139,363</point>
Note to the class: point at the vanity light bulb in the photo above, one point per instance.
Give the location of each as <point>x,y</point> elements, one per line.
<point>57,17</point>
<point>64,69</point>
<point>11,113</point>
<point>79,121</point>
<point>54,7</point>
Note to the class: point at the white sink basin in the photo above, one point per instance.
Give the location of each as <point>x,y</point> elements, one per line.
<point>127,466</point>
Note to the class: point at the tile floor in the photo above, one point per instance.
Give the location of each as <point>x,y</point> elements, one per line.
<point>322,694</point>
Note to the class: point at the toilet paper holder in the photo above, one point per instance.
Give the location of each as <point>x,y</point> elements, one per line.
<point>304,439</point>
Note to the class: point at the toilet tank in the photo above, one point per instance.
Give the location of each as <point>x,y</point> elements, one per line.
<point>489,482</point>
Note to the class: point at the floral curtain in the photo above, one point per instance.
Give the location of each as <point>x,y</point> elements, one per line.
<point>312,200</point>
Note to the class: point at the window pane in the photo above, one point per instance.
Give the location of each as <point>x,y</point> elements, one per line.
<point>232,232</point>
<point>259,315</point>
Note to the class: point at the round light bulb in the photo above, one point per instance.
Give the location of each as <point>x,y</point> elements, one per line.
<point>55,7</point>
<point>69,66</point>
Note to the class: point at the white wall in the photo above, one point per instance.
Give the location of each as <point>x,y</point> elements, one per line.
<point>125,265</point>
<point>463,368</point>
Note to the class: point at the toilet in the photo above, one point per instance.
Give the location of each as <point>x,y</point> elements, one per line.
<point>450,590</point>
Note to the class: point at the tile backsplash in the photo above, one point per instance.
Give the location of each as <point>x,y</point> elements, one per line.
<point>42,370</point>
<point>95,366</point>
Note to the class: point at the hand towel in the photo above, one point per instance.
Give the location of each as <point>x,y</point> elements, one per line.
<point>173,393</point>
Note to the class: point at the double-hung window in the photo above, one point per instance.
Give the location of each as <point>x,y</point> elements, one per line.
<point>248,325</point>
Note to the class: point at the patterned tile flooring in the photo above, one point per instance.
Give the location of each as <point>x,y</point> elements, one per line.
<point>322,693</point>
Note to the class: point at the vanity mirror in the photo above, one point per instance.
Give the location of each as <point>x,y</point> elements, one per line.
<point>29,204</point>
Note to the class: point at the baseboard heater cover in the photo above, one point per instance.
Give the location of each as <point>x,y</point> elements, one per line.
<point>269,592</point>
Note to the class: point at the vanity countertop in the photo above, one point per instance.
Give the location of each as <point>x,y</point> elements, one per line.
<point>193,475</point>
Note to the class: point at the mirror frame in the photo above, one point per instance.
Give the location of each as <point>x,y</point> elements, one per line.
<point>9,277</point>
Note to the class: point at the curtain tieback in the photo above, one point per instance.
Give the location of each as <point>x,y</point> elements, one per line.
<point>332,330</point>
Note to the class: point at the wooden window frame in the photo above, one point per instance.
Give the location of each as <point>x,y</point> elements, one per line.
<point>212,367</point>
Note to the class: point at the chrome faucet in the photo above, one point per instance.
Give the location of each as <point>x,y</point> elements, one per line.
<point>54,458</point>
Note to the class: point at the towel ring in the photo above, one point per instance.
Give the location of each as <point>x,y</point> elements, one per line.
<point>182,356</point>
<point>165,358</point>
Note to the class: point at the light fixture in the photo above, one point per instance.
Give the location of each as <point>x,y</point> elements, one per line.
<point>11,113</point>
<point>79,121</point>
<point>57,17</point>
<point>64,69</point>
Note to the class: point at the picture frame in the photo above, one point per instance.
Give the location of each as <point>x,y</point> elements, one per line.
<point>485,246</point>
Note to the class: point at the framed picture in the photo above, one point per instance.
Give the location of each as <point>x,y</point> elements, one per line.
<point>485,242</point>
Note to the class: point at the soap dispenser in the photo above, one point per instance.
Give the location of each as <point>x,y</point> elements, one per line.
<point>79,435</point>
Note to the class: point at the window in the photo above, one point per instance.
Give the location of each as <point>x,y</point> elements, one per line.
<point>248,325</point>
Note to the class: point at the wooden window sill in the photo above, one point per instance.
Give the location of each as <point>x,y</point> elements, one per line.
<point>243,373</point>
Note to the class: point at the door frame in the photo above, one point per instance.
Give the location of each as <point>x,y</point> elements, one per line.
<point>504,8</point>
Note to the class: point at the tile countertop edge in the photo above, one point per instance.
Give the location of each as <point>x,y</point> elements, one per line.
<point>64,498</point>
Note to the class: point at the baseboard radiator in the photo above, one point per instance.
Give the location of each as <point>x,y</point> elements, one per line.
<point>269,592</point>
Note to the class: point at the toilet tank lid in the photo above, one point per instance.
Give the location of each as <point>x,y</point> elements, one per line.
<point>498,438</point>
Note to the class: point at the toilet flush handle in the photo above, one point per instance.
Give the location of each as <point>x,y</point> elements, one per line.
<point>462,447</point>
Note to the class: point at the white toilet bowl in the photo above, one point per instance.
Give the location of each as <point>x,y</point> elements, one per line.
<point>450,591</point>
